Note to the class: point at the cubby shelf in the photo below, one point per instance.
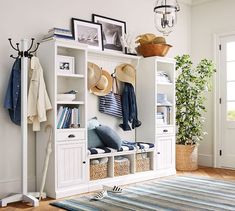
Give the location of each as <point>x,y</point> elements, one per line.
<point>71,75</point>
<point>164,84</point>
<point>70,102</point>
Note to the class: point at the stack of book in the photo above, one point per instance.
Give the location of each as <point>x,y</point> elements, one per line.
<point>58,33</point>
<point>67,117</point>
<point>160,118</point>
<point>163,115</point>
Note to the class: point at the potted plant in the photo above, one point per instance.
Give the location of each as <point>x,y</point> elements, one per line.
<point>191,85</point>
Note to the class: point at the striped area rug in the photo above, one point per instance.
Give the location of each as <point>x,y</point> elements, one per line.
<point>172,193</point>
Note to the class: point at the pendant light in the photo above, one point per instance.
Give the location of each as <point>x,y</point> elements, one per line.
<point>166,15</point>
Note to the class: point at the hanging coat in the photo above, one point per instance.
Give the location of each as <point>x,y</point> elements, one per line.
<point>38,100</point>
<point>129,108</point>
<point>12,100</point>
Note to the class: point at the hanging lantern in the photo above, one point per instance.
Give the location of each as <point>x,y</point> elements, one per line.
<point>166,15</point>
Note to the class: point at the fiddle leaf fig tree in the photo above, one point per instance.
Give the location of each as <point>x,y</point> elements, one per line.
<point>191,85</point>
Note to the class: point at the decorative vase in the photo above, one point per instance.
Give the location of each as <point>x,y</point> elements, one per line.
<point>186,157</point>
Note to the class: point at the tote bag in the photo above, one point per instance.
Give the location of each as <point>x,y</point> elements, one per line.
<point>111,103</point>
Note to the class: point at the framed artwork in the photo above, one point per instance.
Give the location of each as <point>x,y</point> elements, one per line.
<point>112,31</point>
<point>65,64</point>
<point>87,32</point>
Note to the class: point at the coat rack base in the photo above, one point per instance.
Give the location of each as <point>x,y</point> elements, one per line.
<point>29,198</point>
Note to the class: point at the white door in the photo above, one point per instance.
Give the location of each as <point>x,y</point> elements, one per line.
<point>227,102</point>
<point>71,166</point>
<point>165,157</point>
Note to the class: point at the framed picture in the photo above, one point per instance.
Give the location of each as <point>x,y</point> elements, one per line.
<point>112,31</point>
<point>65,64</point>
<point>87,32</point>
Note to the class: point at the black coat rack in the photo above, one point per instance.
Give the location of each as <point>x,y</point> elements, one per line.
<point>28,53</point>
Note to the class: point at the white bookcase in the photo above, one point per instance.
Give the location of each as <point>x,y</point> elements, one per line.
<point>68,162</point>
<point>147,88</point>
<point>68,172</point>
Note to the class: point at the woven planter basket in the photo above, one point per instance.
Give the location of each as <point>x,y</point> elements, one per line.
<point>142,164</point>
<point>186,157</point>
<point>121,168</point>
<point>98,171</point>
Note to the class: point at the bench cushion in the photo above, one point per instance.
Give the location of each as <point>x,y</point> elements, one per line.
<point>136,146</point>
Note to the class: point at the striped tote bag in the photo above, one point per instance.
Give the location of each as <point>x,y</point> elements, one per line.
<point>111,103</point>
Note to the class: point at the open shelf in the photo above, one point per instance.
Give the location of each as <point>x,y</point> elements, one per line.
<point>164,84</point>
<point>70,75</point>
<point>70,102</point>
<point>113,54</point>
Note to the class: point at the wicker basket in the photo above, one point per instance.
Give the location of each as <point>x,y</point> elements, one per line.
<point>186,157</point>
<point>98,171</point>
<point>142,164</point>
<point>148,50</point>
<point>121,168</point>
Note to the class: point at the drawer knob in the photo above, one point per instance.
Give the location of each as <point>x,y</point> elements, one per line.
<point>71,136</point>
<point>84,162</point>
<point>158,153</point>
<point>165,130</point>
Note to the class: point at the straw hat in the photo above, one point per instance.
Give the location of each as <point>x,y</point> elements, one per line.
<point>94,74</point>
<point>126,73</point>
<point>104,85</point>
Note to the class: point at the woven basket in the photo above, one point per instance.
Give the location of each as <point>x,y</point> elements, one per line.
<point>98,171</point>
<point>142,164</point>
<point>147,50</point>
<point>121,168</point>
<point>186,157</point>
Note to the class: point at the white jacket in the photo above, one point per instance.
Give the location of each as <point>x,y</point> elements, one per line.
<point>38,100</point>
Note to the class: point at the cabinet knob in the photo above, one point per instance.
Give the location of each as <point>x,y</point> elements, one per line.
<point>71,136</point>
<point>158,153</point>
<point>165,130</point>
<point>84,162</point>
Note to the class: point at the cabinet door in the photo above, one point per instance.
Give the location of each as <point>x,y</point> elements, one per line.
<point>165,152</point>
<point>71,164</point>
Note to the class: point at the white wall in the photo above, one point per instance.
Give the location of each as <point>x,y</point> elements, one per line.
<point>32,18</point>
<point>210,18</point>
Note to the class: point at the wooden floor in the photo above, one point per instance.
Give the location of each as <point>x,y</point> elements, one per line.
<point>202,171</point>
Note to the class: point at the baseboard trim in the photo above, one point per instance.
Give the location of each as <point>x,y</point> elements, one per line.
<point>205,160</point>
<point>10,186</point>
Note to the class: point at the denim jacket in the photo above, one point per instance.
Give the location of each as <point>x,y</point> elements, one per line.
<point>13,97</point>
<point>129,108</point>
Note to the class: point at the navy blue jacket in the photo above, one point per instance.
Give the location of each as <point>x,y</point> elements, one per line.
<point>129,108</point>
<point>13,97</point>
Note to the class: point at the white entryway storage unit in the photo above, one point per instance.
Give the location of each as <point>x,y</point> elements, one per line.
<point>68,172</point>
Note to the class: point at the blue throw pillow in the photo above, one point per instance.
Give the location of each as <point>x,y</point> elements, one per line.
<point>93,123</point>
<point>94,140</point>
<point>109,137</point>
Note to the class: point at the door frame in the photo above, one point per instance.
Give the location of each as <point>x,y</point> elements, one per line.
<point>217,95</point>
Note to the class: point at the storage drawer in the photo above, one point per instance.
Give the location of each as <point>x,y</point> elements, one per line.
<point>71,134</point>
<point>165,130</point>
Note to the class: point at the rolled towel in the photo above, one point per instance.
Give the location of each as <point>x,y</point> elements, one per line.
<point>103,160</point>
<point>94,162</point>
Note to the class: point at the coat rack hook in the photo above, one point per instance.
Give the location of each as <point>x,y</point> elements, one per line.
<point>14,57</point>
<point>35,48</point>
<point>17,46</point>
<point>31,45</point>
<point>12,45</point>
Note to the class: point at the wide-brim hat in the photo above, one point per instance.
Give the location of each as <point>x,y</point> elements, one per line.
<point>94,73</point>
<point>104,85</point>
<point>126,73</point>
